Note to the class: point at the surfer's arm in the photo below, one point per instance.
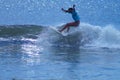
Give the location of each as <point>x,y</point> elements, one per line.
<point>64,10</point>
<point>74,6</point>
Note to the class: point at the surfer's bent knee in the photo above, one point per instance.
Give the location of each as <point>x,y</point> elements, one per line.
<point>77,23</point>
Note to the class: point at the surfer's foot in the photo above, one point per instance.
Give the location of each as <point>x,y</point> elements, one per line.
<point>60,30</point>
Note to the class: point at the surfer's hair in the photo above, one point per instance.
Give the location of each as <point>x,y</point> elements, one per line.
<point>70,9</point>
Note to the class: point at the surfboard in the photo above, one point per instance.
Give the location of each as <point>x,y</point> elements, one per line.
<point>56,30</point>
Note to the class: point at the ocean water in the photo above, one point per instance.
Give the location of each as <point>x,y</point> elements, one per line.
<point>31,50</point>
<point>28,52</point>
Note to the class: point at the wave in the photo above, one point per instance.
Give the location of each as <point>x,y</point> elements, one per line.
<point>19,34</point>
<point>19,30</point>
<point>85,35</point>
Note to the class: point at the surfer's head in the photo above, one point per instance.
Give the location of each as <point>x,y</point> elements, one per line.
<point>70,10</point>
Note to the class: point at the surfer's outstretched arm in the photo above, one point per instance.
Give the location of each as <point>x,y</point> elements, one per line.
<point>64,10</point>
<point>69,9</point>
<point>74,6</point>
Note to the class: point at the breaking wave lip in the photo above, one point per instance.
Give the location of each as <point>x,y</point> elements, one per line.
<point>106,37</point>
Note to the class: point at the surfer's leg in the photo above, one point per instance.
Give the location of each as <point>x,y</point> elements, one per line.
<point>68,25</point>
<point>73,24</point>
<point>65,27</point>
<point>68,29</point>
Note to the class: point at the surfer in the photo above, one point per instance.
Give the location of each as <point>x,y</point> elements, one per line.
<point>75,17</point>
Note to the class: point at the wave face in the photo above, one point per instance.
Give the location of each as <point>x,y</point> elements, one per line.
<point>19,30</point>
<point>19,34</point>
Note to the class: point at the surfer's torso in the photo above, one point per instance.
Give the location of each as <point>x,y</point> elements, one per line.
<point>75,16</point>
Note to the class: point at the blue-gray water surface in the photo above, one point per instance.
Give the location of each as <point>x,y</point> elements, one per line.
<point>30,61</point>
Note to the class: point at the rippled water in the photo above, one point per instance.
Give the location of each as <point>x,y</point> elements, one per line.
<point>30,61</point>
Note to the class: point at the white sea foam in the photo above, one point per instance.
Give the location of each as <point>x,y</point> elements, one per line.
<point>91,35</point>
<point>106,36</point>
